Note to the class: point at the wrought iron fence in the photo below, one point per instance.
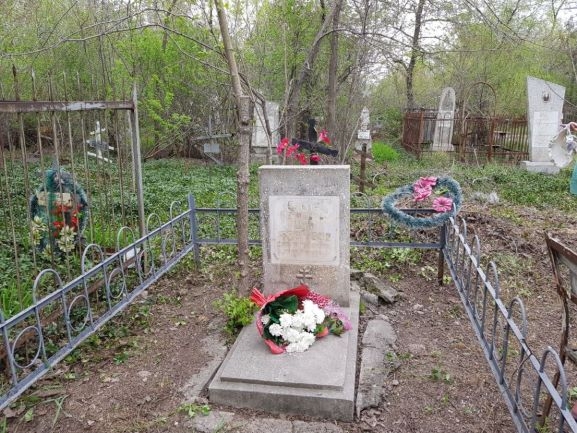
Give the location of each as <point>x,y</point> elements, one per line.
<point>64,315</point>
<point>472,139</point>
<point>525,381</point>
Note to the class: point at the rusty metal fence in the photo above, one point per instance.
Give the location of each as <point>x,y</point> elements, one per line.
<point>78,157</point>
<point>471,139</point>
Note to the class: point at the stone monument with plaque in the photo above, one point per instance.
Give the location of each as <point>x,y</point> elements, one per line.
<point>305,214</point>
<point>544,115</point>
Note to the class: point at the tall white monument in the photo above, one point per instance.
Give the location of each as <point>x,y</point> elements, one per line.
<point>544,116</point>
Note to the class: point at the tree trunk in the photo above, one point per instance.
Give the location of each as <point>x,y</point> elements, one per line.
<point>415,53</point>
<point>243,119</point>
<point>291,112</point>
<point>333,69</point>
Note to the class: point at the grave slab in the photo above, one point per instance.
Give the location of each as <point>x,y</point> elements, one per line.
<point>319,382</point>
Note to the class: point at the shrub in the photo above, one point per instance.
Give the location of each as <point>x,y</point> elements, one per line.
<point>384,153</point>
<point>239,311</point>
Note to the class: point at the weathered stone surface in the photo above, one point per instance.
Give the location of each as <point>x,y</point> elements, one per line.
<point>377,360</point>
<point>266,425</point>
<point>319,382</point>
<point>305,225</point>
<point>369,298</point>
<point>316,427</point>
<point>377,286</point>
<point>379,334</point>
<point>214,421</point>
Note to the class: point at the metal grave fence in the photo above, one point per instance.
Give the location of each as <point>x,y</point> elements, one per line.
<point>64,315</point>
<point>526,382</point>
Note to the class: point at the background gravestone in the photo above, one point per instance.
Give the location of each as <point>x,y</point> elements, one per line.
<point>442,140</point>
<point>544,115</point>
<point>259,138</point>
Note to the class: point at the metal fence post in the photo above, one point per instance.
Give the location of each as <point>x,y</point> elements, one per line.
<point>194,229</point>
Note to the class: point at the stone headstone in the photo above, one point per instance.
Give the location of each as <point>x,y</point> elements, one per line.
<point>442,139</point>
<point>544,115</point>
<point>259,138</point>
<point>305,230</point>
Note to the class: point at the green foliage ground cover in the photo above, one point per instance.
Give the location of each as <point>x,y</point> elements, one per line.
<point>171,180</point>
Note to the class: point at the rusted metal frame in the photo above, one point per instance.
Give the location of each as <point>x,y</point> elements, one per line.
<point>62,106</point>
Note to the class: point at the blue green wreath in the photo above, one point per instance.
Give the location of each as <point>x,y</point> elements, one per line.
<point>450,188</point>
<point>55,181</point>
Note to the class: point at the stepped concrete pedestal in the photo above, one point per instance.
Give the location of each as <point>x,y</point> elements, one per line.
<point>318,383</point>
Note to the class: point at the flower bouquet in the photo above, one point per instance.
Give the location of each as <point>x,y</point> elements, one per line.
<point>291,320</point>
<point>439,194</point>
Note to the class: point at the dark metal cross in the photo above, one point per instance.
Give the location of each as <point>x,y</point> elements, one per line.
<point>304,273</point>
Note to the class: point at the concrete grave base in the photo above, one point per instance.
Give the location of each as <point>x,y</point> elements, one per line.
<point>540,167</point>
<point>319,382</point>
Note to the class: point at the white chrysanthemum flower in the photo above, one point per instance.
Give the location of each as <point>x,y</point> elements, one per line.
<point>291,335</point>
<point>264,319</point>
<point>286,320</point>
<point>305,341</point>
<point>311,308</point>
<point>275,330</point>
<point>298,321</point>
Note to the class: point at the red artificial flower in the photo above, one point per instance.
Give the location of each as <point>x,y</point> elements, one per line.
<point>291,149</point>
<point>315,158</point>
<point>324,137</point>
<point>282,145</point>
<point>302,158</point>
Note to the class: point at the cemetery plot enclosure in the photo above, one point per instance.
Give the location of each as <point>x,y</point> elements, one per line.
<point>71,164</point>
<point>472,139</point>
<point>526,378</point>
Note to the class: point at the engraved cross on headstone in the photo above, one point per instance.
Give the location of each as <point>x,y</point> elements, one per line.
<point>304,273</point>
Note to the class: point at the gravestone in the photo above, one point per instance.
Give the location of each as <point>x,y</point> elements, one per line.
<point>442,139</point>
<point>305,231</point>
<point>544,115</point>
<point>260,142</point>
